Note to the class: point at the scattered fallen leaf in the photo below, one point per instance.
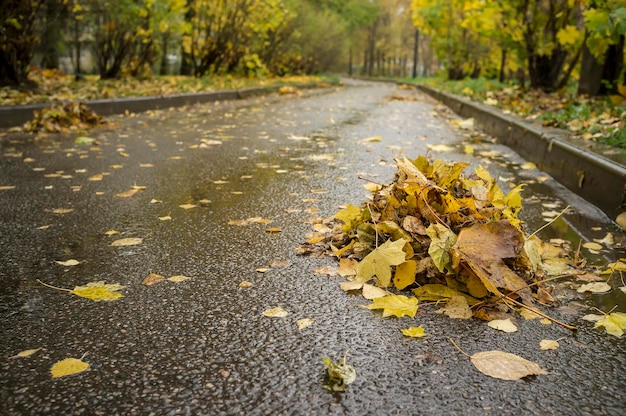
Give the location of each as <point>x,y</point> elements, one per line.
<point>340,374</point>
<point>178,278</point>
<point>440,147</point>
<point>592,246</point>
<point>304,322</point>
<point>62,210</point>
<point>165,218</point>
<point>258,220</point>
<point>504,365</point>
<point>68,367</point>
<point>592,317</point>
<point>278,263</point>
<point>395,305</point>
<point>151,279</point>
<point>594,287</point>
<point>129,193</point>
<point>6,187</point>
<point>589,277</point>
<point>239,223</point>
<point>373,292</point>
<point>608,240</point>
<point>548,344</point>
<point>98,291</point>
<point>111,232</point>
<point>372,139</point>
<point>325,271</point>
<point>26,353</point>
<point>414,332</point>
<point>504,325</point>
<point>276,312</point>
<point>132,241</point>
<point>348,267</point>
<point>71,262</point>
<point>528,314</point>
<point>614,323</point>
<point>246,284</point>
<point>84,140</point>
<point>274,230</point>
<point>263,270</point>
<point>467,124</point>
<point>528,166</point>
<point>188,206</point>
<point>457,308</point>
<point>351,285</point>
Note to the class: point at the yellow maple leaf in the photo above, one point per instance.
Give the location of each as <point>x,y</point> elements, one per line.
<point>614,323</point>
<point>350,216</point>
<point>405,274</point>
<point>396,305</point>
<point>378,263</point>
<point>414,332</point>
<point>442,239</point>
<point>97,291</point>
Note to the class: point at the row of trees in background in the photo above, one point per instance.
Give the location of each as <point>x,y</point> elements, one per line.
<point>540,41</point>
<point>546,39</point>
<point>249,37</point>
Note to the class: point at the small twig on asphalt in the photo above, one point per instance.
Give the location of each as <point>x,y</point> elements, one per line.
<point>543,315</point>
<point>549,223</point>
<point>53,287</point>
<point>369,180</point>
<point>459,348</point>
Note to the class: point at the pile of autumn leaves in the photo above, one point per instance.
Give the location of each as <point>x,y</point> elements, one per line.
<point>60,118</point>
<point>448,237</point>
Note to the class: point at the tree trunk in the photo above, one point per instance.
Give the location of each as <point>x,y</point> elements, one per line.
<point>350,61</point>
<point>502,65</point>
<point>613,64</point>
<point>590,72</point>
<point>163,68</point>
<point>17,40</point>
<point>365,63</point>
<point>187,66</point>
<point>415,53</point>
<point>77,46</point>
<point>51,37</point>
<point>371,48</point>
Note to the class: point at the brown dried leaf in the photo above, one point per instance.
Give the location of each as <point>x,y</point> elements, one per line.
<point>483,247</point>
<point>504,365</point>
<point>151,279</point>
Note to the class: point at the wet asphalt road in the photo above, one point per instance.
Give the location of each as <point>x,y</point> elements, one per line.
<point>202,346</point>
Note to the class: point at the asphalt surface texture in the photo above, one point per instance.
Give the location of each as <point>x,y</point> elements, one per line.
<point>203,346</point>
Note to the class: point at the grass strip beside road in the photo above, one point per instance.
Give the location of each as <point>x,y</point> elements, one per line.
<point>55,86</point>
<point>600,119</point>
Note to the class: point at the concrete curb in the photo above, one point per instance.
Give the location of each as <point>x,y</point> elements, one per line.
<point>17,115</point>
<point>596,178</point>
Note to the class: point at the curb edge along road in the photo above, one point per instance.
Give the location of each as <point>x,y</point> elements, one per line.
<point>597,179</point>
<point>17,115</point>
